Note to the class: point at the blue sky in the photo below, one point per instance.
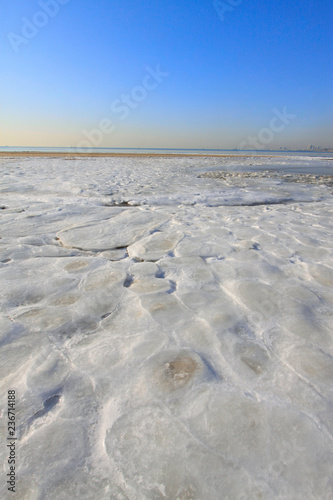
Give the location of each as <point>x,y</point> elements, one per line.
<point>153,73</point>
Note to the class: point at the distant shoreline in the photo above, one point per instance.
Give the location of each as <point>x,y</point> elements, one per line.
<point>40,154</point>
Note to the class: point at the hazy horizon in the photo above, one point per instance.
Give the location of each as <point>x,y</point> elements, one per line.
<point>93,148</point>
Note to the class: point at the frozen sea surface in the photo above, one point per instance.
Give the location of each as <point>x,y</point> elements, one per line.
<point>168,332</point>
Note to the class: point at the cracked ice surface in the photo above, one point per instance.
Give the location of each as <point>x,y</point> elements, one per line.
<point>168,333</point>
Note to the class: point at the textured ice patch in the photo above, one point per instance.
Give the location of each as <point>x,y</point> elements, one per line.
<point>193,362</point>
<point>155,246</point>
<point>120,231</point>
<point>136,440</point>
<point>276,442</point>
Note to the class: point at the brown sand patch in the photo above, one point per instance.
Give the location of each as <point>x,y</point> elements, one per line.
<point>74,266</point>
<point>179,372</point>
<point>40,154</point>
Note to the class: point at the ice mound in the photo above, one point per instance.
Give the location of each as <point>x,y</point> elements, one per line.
<point>155,246</point>
<point>120,231</point>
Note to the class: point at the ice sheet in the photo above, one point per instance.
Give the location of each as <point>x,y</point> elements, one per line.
<point>168,331</point>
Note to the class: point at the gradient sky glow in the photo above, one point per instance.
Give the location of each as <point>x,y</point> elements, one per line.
<point>226,73</point>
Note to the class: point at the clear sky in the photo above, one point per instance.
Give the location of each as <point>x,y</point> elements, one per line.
<point>171,73</point>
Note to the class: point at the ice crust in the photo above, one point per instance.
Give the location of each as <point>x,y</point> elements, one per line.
<point>168,328</point>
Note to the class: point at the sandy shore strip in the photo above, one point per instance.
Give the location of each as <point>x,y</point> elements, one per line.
<point>40,154</point>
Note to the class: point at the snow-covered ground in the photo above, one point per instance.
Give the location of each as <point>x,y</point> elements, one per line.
<point>168,332</point>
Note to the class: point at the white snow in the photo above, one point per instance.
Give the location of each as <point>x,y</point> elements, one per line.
<point>168,332</point>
